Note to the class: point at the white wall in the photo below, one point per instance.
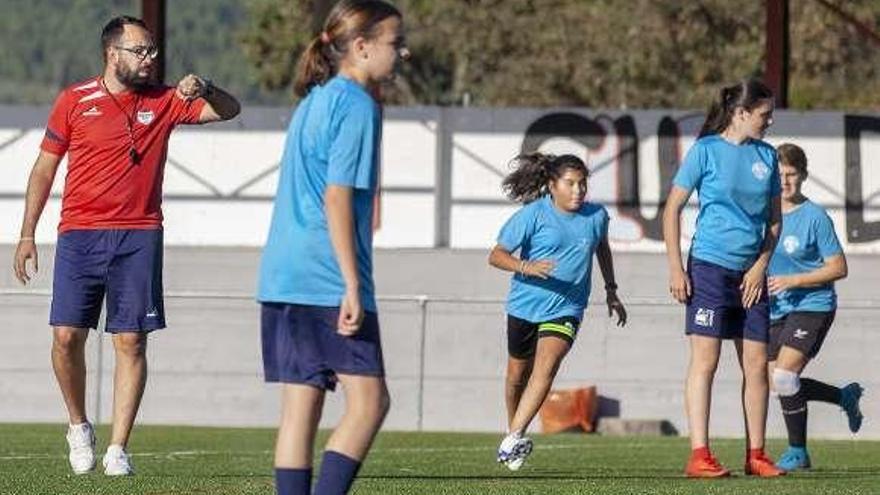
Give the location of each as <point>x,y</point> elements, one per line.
<point>442,170</point>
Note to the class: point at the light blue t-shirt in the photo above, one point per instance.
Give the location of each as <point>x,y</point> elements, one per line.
<point>735,184</point>
<point>540,231</point>
<point>333,138</point>
<point>807,239</point>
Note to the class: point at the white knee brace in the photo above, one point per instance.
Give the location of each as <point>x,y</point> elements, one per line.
<point>786,382</point>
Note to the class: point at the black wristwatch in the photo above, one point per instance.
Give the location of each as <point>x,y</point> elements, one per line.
<point>610,287</point>
<point>208,88</point>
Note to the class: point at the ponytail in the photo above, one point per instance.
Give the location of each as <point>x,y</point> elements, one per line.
<point>534,171</point>
<point>315,67</point>
<point>746,94</point>
<point>347,20</point>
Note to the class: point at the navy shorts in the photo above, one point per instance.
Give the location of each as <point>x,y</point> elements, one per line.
<point>123,265</point>
<point>715,307</point>
<point>301,345</point>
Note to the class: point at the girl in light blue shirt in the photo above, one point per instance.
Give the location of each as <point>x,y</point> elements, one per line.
<point>319,318</point>
<point>807,261</point>
<point>724,288</point>
<point>554,237</point>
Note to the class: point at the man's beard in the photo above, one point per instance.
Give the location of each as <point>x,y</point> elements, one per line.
<point>130,78</point>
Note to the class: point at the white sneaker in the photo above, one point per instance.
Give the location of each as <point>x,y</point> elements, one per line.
<point>81,445</point>
<point>515,464</point>
<point>514,450</point>
<point>116,462</point>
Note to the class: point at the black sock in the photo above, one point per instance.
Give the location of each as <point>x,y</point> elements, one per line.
<point>293,481</point>
<point>337,473</point>
<point>794,411</point>
<point>820,391</point>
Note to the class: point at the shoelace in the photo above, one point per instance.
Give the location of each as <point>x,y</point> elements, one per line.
<point>850,397</point>
<point>849,406</point>
<point>761,458</point>
<point>80,441</point>
<point>712,462</point>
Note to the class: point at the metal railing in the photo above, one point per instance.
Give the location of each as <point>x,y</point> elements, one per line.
<point>422,301</point>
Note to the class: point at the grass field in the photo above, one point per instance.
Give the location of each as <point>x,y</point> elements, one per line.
<point>186,460</point>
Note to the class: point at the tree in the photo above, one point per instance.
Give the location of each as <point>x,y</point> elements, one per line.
<point>548,52</point>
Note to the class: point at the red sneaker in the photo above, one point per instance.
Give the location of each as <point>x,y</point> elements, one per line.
<point>705,467</point>
<point>761,465</point>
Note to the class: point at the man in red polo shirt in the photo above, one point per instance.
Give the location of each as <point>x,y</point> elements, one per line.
<point>114,129</point>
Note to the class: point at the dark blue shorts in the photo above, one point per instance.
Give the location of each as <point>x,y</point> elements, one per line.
<point>715,308</point>
<point>301,345</point>
<point>123,265</point>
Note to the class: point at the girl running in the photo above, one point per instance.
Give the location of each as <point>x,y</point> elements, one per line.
<point>724,287</point>
<point>555,234</point>
<point>319,321</point>
<point>806,263</point>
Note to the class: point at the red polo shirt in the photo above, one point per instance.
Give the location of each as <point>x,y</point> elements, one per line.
<point>103,189</point>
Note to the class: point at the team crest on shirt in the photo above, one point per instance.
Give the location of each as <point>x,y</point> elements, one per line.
<point>790,244</point>
<point>145,116</point>
<point>760,170</point>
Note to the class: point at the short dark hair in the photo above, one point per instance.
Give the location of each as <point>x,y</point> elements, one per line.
<point>793,156</point>
<point>114,28</point>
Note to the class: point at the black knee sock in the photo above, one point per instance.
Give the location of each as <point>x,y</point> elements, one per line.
<point>821,391</point>
<point>794,410</point>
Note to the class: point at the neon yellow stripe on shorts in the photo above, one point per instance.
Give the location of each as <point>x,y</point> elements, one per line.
<point>556,327</point>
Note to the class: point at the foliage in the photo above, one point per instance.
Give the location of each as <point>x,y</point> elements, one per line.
<point>595,53</point>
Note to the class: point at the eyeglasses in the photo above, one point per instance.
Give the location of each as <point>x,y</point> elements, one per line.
<point>141,52</point>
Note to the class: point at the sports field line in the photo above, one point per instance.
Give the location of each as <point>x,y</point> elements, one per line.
<point>378,450</point>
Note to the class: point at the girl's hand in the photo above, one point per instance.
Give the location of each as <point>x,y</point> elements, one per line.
<point>680,286</point>
<point>351,314</point>
<point>752,286</point>
<point>538,268</point>
<point>616,306</point>
<point>775,285</point>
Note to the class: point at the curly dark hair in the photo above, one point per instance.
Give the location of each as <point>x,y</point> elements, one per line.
<point>532,172</point>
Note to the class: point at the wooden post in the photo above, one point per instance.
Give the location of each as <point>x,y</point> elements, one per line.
<point>777,50</point>
<point>153,14</point>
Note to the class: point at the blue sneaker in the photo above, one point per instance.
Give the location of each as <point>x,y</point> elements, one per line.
<point>794,458</point>
<point>849,401</point>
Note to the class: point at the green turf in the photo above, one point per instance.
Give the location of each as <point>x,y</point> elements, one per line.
<point>185,460</point>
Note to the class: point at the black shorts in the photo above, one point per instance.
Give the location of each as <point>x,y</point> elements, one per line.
<point>801,330</point>
<point>522,335</point>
